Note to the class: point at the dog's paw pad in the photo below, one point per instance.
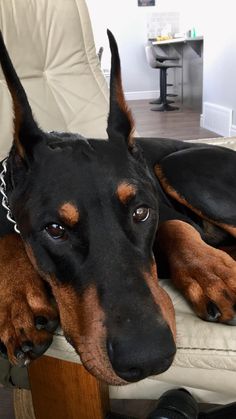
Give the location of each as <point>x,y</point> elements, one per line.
<point>19,354</point>
<point>50,325</point>
<point>225,314</point>
<point>40,322</point>
<point>28,351</point>
<point>27,346</point>
<point>213,312</point>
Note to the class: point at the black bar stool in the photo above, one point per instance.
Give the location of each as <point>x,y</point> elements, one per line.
<point>163,58</point>
<point>158,62</point>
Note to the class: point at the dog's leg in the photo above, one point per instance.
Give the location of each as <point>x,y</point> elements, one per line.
<point>27,321</point>
<point>27,318</point>
<point>205,275</point>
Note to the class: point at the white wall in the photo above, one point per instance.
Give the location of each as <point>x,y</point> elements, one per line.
<point>219,76</point>
<point>216,20</point>
<point>128,22</point>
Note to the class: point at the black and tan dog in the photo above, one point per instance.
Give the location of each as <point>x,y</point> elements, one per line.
<point>91,213</point>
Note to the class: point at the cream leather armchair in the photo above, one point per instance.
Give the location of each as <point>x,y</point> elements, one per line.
<point>52,47</point>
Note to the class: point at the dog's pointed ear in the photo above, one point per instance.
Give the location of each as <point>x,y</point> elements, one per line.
<point>26,130</point>
<point>120,120</point>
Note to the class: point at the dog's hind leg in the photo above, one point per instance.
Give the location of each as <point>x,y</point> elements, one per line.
<point>27,318</point>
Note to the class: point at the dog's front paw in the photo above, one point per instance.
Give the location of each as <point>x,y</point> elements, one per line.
<point>26,331</point>
<point>27,318</point>
<point>204,274</point>
<point>209,282</point>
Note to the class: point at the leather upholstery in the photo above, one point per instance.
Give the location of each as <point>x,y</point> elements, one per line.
<point>51,45</point>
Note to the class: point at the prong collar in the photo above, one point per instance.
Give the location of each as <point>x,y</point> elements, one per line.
<point>5,202</point>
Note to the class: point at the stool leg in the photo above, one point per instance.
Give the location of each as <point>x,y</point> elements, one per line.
<point>62,389</point>
<point>164,71</point>
<point>164,106</point>
<point>159,101</point>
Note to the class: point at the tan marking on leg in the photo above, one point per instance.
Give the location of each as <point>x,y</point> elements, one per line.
<point>125,191</point>
<point>22,298</point>
<point>69,213</point>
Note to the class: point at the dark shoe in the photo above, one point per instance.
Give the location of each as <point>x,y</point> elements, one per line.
<point>175,404</point>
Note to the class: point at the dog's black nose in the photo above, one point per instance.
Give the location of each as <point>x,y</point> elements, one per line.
<point>128,374</point>
<point>136,357</point>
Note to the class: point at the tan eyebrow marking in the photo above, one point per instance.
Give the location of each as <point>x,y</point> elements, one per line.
<point>125,191</point>
<point>69,213</point>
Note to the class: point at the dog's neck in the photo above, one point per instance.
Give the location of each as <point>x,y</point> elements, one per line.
<point>5,202</point>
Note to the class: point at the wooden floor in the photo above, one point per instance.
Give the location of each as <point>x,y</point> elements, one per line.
<point>184,125</point>
<point>181,125</point>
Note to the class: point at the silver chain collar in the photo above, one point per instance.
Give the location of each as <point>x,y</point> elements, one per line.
<point>5,202</point>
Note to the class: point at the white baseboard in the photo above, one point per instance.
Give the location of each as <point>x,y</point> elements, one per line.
<point>201,121</point>
<point>217,119</point>
<point>147,94</point>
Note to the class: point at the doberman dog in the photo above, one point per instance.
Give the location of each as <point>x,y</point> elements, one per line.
<point>94,216</point>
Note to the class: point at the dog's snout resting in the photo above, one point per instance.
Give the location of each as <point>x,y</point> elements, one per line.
<point>141,353</point>
<point>140,336</point>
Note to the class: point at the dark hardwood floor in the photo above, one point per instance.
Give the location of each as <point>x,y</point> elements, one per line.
<point>184,125</point>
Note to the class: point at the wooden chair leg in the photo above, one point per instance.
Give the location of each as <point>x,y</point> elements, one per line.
<point>62,389</point>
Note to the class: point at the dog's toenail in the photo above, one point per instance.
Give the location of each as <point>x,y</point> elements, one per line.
<point>27,346</point>
<point>213,311</point>
<point>52,325</point>
<point>40,349</point>
<point>40,322</point>
<point>19,354</point>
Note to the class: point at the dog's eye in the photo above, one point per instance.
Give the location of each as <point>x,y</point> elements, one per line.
<point>56,231</point>
<point>141,214</point>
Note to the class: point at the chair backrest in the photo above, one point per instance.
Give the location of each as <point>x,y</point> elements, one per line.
<point>52,48</point>
<point>150,56</point>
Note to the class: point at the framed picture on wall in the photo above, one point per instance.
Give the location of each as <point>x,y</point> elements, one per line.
<point>142,3</point>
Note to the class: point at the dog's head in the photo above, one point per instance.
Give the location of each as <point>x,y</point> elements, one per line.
<point>87,211</point>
